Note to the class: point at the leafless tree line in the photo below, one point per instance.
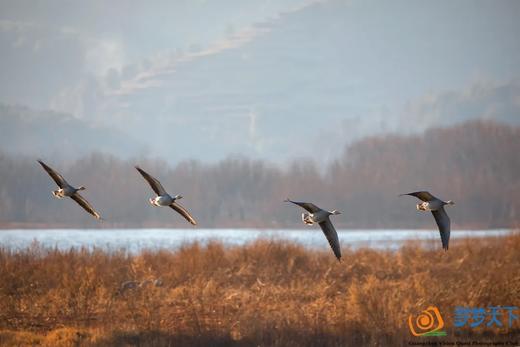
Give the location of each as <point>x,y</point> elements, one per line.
<point>476,164</point>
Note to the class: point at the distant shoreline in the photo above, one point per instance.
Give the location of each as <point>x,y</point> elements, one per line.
<point>32,226</point>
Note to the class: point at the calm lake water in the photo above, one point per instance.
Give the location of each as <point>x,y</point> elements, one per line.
<point>135,240</point>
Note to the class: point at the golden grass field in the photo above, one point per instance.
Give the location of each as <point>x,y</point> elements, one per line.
<point>267,293</point>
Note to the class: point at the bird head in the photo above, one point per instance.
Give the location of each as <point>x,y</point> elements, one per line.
<point>177,197</point>
<point>450,202</point>
<point>81,188</point>
<point>335,212</point>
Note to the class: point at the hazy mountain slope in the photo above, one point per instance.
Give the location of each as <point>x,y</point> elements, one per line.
<point>300,82</point>
<point>46,133</point>
<point>318,77</point>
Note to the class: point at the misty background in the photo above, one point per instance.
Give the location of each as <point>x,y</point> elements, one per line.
<point>346,103</point>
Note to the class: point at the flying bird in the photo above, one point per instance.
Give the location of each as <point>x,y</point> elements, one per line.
<point>66,189</point>
<point>320,216</point>
<point>436,206</point>
<point>163,198</point>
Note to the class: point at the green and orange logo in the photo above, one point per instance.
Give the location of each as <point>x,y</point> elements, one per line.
<point>428,323</point>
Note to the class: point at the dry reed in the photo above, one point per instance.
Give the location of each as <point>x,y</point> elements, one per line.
<point>266,293</point>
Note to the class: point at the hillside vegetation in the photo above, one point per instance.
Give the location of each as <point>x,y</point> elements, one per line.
<point>475,164</point>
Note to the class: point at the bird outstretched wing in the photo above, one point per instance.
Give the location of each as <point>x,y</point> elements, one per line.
<point>332,237</point>
<point>153,182</point>
<point>423,195</point>
<point>60,181</point>
<point>444,224</point>
<point>306,205</point>
<point>183,212</point>
<point>85,204</point>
